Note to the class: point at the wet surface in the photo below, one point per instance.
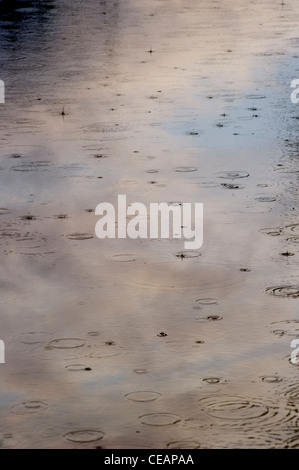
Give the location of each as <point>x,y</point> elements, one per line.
<point>141,343</point>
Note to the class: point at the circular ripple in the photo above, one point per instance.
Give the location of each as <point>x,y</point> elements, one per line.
<point>212,380</point>
<point>232,174</point>
<point>67,343</point>
<point>10,233</point>
<point>294,239</point>
<point>266,198</point>
<point>292,228</point>
<point>255,97</point>
<point>33,337</point>
<point>274,232</point>
<point>183,445</point>
<point>4,211</point>
<point>185,169</point>
<point>140,371</point>
<point>188,254</point>
<point>207,301</point>
<point>143,396</point>
<point>79,236</point>
<point>77,367</point>
<point>292,442</point>
<point>159,419</point>
<point>271,379</point>
<point>290,292</point>
<point>84,436</point>
<point>233,408</point>
<point>124,258</point>
<point>29,407</point>
<point>209,318</point>
<point>286,328</point>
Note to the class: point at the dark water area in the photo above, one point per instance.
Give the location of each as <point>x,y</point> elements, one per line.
<point>124,343</point>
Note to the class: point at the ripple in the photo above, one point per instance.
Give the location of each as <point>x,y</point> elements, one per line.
<point>67,343</point>
<point>234,408</point>
<point>79,236</point>
<point>207,301</point>
<point>84,436</point>
<point>124,258</point>
<point>274,232</point>
<point>209,318</point>
<point>212,380</point>
<point>77,367</point>
<point>10,233</point>
<point>255,97</point>
<point>140,371</point>
<point>265,198</point>
<point>143,396</point>
<point>29,407</point>
<point>271,379</point>
<point>188,254</point>
<point>288,328</point>
<point>32,166</point>
<point>292,228</point>
<point>183,445</point>
<point>107,349</point>
<point>159,419</point>
<point>33,337</point>
<point>185,169</point>
<point>294,239</point>
<point>290,292</point>
<point>4,211</point>
<point>232,174</point>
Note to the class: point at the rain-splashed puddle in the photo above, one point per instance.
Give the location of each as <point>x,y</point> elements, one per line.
<point>143,396</point>
<point>84,436</point>
<point>30,407</point>
<point>289,292</point>
<point>159,419</point>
